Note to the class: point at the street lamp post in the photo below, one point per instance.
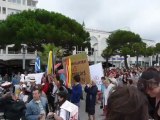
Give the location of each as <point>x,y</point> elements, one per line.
<point>24,59</point>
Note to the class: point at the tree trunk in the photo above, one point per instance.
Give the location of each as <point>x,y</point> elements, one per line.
<point>137,60</point>
<point>106,62</point>
<point>125,62</point>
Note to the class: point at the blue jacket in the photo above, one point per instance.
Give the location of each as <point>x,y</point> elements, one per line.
<point>33,111</point>
<point>76,93</point>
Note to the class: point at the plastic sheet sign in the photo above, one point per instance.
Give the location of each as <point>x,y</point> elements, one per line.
<point>70,107</point>
<point>96,72</point>
<point>79,65</point>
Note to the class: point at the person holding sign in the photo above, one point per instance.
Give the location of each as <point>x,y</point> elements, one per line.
<point>60,114</point>
<point>91,91</point>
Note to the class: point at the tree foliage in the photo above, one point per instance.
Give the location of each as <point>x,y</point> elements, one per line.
<point>150,51</point>
<point>106,54</point>
<point>138,49</point>
<point>122,43</point>
<point>58,51</point>
<point>40,26</point>
<point>157,48</point>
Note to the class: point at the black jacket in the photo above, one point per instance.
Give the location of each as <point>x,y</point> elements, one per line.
<point>12,109</point>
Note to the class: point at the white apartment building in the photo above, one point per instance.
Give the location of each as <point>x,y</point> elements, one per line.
<point>8,7</point>
<point>98,42</point>
<point>8,57</point>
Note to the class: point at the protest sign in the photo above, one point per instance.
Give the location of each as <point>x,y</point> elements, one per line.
<point>79,65</point>
<point>96,72</point>
<point>38,77</point>
<point>70,107</point>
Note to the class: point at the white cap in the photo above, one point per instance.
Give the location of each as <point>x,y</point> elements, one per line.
<point>32,79</point>
<point>6,84</point>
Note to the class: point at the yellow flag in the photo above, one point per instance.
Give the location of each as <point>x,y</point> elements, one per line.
<point>50,63</point>
<point>68,72</point>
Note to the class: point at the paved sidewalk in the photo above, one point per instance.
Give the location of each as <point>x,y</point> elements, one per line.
<point>83,114</point>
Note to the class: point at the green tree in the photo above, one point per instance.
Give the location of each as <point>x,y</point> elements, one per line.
<point>138,49</point>
<point>106,54</point>
<point>58,51</point>
<point>157,48</point>
<point>122,41</point>
<point>38,27</point>
<point>150,51</point>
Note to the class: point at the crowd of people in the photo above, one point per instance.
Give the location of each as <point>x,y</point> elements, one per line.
<point>31,101</point>
<point>132,94</point>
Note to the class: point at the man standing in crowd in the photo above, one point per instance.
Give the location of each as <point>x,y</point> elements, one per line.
<point>38,107</point>
<point>76,91</point>
<point>31,85</point>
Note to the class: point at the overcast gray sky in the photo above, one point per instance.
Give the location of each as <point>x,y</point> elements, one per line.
<point>139,16</point>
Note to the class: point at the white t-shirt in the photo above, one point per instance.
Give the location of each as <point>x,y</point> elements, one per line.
<point>107,93</point>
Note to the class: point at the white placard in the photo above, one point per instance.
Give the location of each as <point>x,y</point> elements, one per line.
<point>96,72</point>
<point>38,77</point>
<point>70,107</point>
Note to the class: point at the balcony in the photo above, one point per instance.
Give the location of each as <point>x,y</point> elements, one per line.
<point>6,57</point>
<point>8,54</point>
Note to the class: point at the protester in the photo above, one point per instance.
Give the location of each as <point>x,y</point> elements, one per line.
<point>45,84</point>
<point>76,91</point>
<point>127,103</point>
<point>30,86</point>
<point>1,80</point>
<point>6,78</point>
<point>12,107</point>
<point>37,108</point>
<point>60,114</point>
<point>91,91</point>
<point>51,93</point>
<point>150,83</point>
<point>24,94</point>
<point>103,87</point>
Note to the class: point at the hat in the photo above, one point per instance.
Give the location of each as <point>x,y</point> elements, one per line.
<point>6,84</point>
<point>32,79</point>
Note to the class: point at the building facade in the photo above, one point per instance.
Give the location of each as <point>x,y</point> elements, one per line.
<point>8,7</point>
<point>11,60</point>
<point>98,42</point>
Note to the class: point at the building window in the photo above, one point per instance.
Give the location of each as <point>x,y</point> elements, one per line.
<point>24,2</point>
<point>3,10</point>
<point>9,0</point>
<point>29,2</point>
<point>4,0</point>
<point>0,9</point>
<point>19,1</point>
<point>14,1</point>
